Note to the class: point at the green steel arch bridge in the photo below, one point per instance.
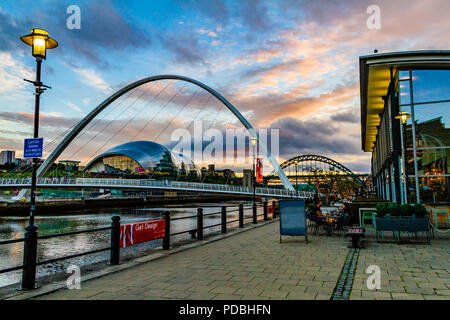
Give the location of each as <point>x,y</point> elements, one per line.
<point>309,167</point>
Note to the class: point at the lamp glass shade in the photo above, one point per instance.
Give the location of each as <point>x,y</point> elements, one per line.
<point>39,41</point>
<point>253,141</point>
<point>403,116</point>
<point>39,47</point>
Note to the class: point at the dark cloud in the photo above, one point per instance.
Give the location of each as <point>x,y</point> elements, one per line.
<point>27,118</point>
<point>325,11</point>
<point>254,14</point>
<point>320,137</point>
<point>215,9</point>
<point>348,116</point>
<point>103,28</point>
<point>185,48</point>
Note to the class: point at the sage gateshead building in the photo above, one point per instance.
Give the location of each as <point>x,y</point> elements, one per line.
<point>405,124</point>
<point>146,158</point>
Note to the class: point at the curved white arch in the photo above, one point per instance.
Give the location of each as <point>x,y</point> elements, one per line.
<point>84,122</point>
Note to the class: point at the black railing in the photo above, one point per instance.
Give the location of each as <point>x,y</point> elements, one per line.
<point>30,259</point>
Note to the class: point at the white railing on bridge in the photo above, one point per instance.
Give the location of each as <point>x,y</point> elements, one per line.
<point>165,184</point>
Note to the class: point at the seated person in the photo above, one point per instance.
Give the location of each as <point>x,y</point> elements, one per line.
<point>317,209</point>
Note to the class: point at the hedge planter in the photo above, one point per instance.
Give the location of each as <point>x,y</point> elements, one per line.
<point>406,224</point>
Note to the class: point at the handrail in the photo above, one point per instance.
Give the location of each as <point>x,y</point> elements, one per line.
<point>72,233</point>
<point>154,184</point>
<point>11,241</point>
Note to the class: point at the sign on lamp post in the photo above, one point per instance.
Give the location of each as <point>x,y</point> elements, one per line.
<point>33,148</point>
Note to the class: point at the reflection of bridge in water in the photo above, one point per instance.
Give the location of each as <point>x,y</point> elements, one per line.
<point>144,184</point>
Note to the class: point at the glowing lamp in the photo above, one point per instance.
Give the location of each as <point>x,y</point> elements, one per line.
<point>39,41</point>
<point>403,116</point>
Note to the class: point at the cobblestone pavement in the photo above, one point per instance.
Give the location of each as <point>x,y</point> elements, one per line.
<point>254,265</point>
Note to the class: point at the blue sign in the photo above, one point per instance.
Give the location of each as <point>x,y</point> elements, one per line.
<point>292,218</point>
<point>33,148</point>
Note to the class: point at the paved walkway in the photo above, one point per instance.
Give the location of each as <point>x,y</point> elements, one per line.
<point>254,265</point>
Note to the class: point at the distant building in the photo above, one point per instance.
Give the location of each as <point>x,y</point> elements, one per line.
<point>70,165</point>
<point>7,156</point>
<point>23,162</point>
<point>247,178</point>
<point>227,173</point>
<point>211,168</point>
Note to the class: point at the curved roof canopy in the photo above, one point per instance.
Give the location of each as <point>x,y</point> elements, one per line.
<point>375,77</point>
<point>147,154</point>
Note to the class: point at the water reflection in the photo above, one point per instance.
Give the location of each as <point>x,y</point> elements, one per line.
<point>13,228</point>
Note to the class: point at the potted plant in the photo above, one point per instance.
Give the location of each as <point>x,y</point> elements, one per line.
<point>405,217</point>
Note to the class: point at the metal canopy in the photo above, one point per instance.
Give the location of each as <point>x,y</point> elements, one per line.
<point>375,79</point>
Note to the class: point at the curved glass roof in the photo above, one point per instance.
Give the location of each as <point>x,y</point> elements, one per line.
<point>147,154</point>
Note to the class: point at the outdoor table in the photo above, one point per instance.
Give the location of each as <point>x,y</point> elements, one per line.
<point>356,233</point>
<point>329,223</point>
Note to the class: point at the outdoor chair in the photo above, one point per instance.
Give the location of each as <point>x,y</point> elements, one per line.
<point>342,222</point>
<point>366,213</point>
<point>318,223</point>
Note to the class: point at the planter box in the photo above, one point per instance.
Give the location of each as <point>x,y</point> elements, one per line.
<point>402,224</point>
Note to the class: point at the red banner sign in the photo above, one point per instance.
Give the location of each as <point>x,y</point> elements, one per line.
<point>141,232</point>
<point>259,170</point>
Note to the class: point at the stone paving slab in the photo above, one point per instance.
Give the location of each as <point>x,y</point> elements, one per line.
<point>414,271</point>
<point>254,265</point>
<point>248,265</point>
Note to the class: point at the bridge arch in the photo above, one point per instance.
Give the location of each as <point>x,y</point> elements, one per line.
<point>315,157</point>
<point>318,158</point>
<point>86,120</point>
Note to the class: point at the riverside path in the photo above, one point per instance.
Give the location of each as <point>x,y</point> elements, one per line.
<point>254,265</point>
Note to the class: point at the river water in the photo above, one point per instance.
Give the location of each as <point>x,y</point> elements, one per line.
<point>13,227</point>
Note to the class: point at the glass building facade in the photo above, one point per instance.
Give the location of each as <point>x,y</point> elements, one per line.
<point>411,160</point>
<point>142,158</point>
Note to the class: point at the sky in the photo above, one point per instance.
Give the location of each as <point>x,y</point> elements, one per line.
<point>290,64</point>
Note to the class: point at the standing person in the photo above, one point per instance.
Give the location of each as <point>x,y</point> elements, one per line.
<point>316,198</point>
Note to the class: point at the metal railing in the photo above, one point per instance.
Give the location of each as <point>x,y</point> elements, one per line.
<point>31,238</point>
<point>153,184</point>
<point>30,249</point>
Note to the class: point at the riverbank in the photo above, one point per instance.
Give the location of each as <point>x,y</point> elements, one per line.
<point>62,206</point>
<point>53,282</point>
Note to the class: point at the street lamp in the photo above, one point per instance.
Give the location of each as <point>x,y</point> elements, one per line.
<point>254,141</point>
<point>39,41</point>
<point>403,117</point>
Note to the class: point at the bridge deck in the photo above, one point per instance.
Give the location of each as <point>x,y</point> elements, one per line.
<point>144,184</point>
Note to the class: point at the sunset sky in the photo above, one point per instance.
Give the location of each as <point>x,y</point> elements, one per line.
<point>287,64</point>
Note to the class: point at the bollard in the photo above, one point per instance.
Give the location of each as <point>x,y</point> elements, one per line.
<point>115,240</point>
<point>255,218</point>
<point>224,219</point>
<point>29,258</point>
<point>265,211</point>
<point>200,223</point>
<point>166,239</point>
<point>241,215</point>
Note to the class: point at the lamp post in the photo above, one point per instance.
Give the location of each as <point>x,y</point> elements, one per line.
<point>253,141</point>
<point>403,117</point>
<point>39,41</point>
